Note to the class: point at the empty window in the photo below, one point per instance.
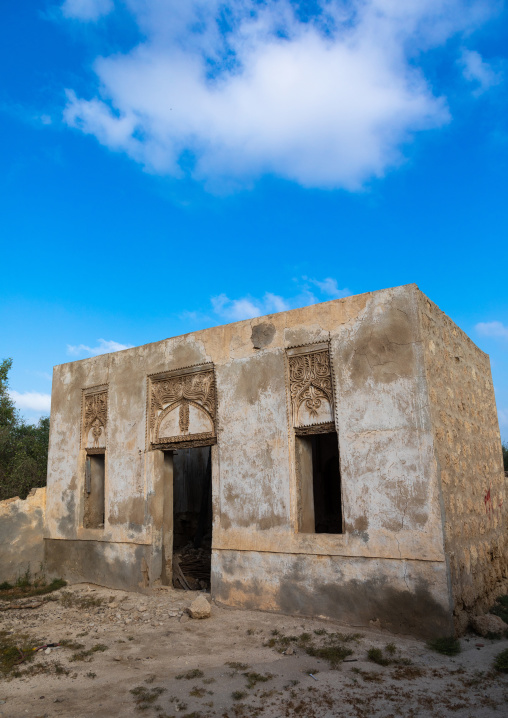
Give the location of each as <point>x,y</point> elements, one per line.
<point>94,492</point>
<point>318,468</point>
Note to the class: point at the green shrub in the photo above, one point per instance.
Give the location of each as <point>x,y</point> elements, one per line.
<point>376,656</point>
<point>334,654</point>
<point>447,645</point>
<point>238,695</point>
<point>14,650</point>
<point>501,608</point>
<point>25,588</point>
<point>501,661</point>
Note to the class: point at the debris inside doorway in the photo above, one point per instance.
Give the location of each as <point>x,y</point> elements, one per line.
<point>191,568</point>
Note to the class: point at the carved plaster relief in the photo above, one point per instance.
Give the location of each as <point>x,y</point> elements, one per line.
<point>94,418</point>
<point>182,406</point>
<point>310,385</point>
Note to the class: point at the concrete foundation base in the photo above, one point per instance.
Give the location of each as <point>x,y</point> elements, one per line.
<point>409,597</point>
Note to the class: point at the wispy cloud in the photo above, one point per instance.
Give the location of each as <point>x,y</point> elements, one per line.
<point>235,310</point>
<point>329,287</point>
<point>326,97</point>
<point>503,417</point>
<point>248,307</point>
<point>31,400</point>
<point>492,329</point>
<point>475,69</point>
<point>103,347</point>
<point>87,10</point>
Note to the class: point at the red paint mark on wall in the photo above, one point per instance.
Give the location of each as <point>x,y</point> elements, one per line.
<point>488,502</point>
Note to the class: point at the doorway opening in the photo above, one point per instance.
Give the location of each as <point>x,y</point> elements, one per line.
<point>192,518</point>
<point>319,478</point>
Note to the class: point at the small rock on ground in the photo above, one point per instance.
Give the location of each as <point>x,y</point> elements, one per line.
<point>200,608</point>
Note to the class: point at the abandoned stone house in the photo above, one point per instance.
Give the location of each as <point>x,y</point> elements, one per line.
<point>342,460</point>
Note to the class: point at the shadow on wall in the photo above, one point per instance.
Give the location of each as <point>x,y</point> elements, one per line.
<point>121,566</point>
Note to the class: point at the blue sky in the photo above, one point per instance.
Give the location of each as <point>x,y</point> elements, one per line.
<point>168,166</point>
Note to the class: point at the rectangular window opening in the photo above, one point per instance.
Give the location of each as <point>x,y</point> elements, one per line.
<point>95,469</point>
<point>318,468</point>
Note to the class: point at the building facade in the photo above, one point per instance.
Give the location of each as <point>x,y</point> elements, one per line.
<point>342,460</point>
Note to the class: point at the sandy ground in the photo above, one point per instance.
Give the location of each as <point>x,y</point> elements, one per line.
<point>178,666</point>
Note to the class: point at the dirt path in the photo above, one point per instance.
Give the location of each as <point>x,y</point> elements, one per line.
<point>231,665</point>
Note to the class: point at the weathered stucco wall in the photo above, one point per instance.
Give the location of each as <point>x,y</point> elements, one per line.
<point>124,566</point>
<point>468,453</point>
<point>400,596</point>
<point>21,535</point>
<point>390,491</point>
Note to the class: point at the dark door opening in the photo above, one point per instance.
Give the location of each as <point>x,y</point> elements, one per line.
<point>95,471</point>
<point>192,518</point>
<point>326,484</point>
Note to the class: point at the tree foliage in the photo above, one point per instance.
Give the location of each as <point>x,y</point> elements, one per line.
<point>23,447</point>
<point>505,456</point>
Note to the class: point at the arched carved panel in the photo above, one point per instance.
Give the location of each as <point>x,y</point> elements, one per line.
<point>182,407</point>
<point>94,418</point>
<point>310,386</point>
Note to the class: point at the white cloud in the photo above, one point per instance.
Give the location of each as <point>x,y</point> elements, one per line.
<point>329,286</point>
<point>32,400</point>
<point>104,347</point>
<point>235,310</point>
<point>475,69</point>
<point>248,307</point>
<point>503,417</point>
<point>87,9</point>
<point>328,102</point>
<point>492,329</point>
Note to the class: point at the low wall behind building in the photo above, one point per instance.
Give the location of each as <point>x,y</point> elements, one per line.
<point>21,535</point>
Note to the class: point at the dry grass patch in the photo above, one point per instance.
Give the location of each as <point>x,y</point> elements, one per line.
<point>331,647</point>
<point>88,655</point>
<point>144,697</point>
<point>15,649</point>
<point>70,600</point>
<point>194,673</point>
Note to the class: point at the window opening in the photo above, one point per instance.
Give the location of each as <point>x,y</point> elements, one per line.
<point>319,483</point>
<point>95,470</point>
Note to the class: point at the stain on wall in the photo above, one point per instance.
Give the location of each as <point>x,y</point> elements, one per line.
<point>262,335</point>
<point>408,597</point>
<point>389,477</point>
<point>123,566</point>
<point>252,441</point>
